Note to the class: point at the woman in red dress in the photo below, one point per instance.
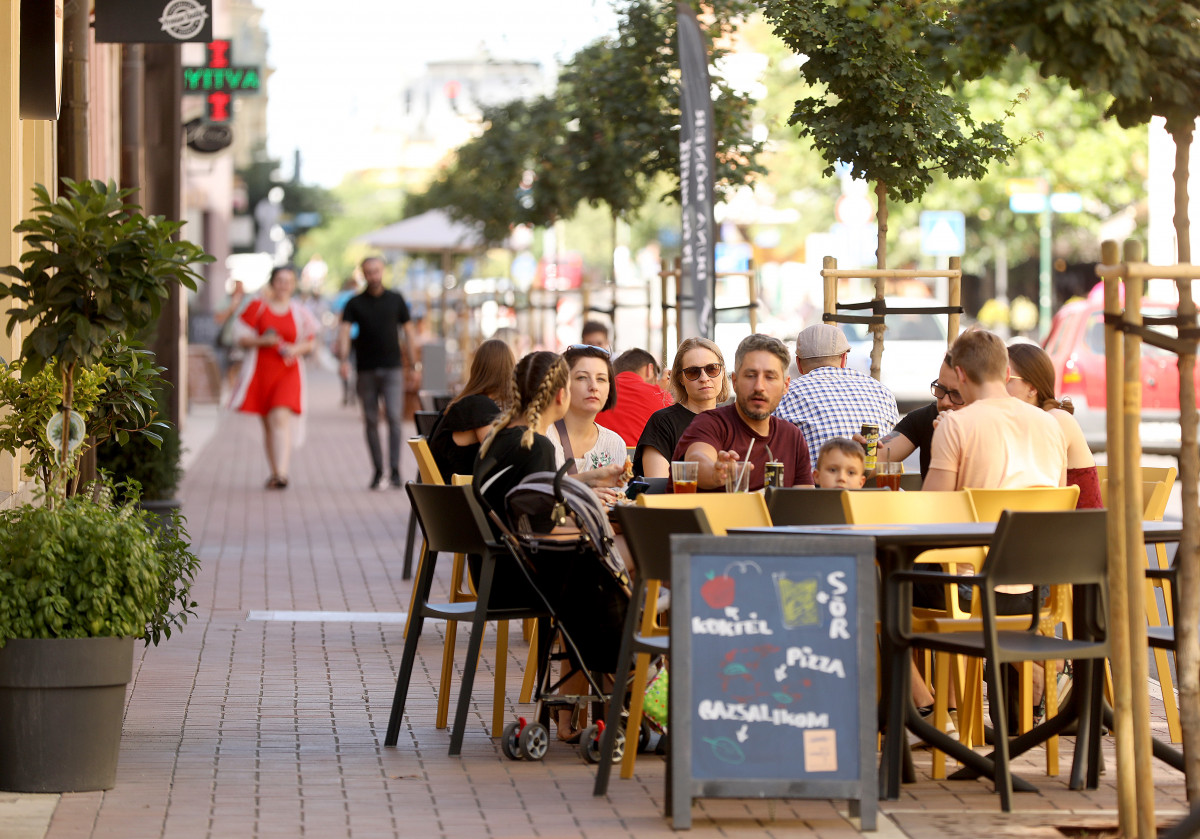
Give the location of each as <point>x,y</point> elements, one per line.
<point>276,333</point>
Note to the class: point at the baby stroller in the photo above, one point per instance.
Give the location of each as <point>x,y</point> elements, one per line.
<point>583,584</point>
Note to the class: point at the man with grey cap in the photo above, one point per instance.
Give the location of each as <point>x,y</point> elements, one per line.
<point>828,399</point>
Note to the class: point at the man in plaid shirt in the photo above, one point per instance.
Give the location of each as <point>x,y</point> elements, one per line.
<point>828,399</point>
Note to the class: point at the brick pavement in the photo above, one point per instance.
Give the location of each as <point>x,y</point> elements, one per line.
<point>251,728</point>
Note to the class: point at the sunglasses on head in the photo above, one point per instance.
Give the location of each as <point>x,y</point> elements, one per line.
<point>940,392</point>
<point>588,347</point>
<point>711,370</point>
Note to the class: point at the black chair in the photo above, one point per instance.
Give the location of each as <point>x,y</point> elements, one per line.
<point>656,486</point>
<point>647,532</point>
<point>794,505</point>
<point>1163,638</point>
<point>452,523</point>
<point>1041,549</point>
<point>441,400</point>
<point>424,420</point>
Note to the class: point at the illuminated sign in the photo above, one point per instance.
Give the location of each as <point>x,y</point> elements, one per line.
<point>218,80</point>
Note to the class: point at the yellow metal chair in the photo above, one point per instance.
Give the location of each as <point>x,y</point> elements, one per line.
<point>927,508</point>
<point>724,510</point>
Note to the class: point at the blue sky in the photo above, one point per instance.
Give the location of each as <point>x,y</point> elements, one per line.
<point>340,66</point>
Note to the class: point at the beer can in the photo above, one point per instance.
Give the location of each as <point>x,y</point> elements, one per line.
<point>871,431</point>
<point>773,474</point>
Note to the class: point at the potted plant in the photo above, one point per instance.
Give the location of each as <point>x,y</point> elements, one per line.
<point>82,576</point>
<point>153,460</point>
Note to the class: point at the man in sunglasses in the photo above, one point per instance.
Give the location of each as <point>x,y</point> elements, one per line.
<point>830,399</point>
<point>915,430</point>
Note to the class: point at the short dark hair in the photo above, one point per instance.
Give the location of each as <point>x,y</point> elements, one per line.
<point>844,445</point>
<point>594,326</point>
<point>762,343</point>
<point>578,351</point>
<point>631,361</point>
<point>981,355</point>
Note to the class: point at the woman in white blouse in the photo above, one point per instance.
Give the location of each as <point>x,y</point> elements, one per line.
<point>600,455</point>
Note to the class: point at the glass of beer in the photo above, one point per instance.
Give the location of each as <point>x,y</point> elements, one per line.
<point>684,475</point>
<point>887,475</point>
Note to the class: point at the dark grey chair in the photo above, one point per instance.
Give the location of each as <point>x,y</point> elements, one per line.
<point>647,533</point>
<point>794,505</point>
<point>424,420</point>
<point>798,506</point>
<point>1041,549</point>
<point>452,522</point>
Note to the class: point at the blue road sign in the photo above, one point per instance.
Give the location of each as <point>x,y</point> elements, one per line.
<point>943,233</point>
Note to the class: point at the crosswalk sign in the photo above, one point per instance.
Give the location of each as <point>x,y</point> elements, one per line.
<point>943,233</point>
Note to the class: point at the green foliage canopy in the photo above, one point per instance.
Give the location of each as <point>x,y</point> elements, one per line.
<point>881,110</point>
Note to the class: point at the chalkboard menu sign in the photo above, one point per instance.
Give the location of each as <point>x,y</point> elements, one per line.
<point>772,671</point>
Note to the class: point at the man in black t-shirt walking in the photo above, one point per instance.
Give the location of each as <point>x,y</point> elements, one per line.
<point>380,314</point>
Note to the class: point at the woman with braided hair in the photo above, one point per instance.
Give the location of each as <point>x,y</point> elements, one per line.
<point>517,445</point>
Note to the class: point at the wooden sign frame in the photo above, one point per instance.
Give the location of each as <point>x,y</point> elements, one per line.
<point>803,690</point>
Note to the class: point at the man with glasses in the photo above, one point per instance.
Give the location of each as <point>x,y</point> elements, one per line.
<point>830,399</point>
<point>995,441</point>
<point>915,431</point>
<point>638,395</point>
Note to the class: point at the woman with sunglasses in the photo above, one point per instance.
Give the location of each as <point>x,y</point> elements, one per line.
<point>698,383</point>
<point>1031,379</point>
<point>598,453</point>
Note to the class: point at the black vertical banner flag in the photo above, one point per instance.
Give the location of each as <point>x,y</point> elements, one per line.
<point>697,148</point>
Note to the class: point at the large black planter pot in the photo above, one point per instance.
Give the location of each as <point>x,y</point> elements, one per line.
<point>62,701</point>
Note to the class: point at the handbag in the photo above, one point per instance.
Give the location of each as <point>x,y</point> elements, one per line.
<point>565,440</point>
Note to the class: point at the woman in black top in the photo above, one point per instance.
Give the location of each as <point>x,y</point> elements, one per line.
<point>466,421</point>
<point>517,444</point>
<point>698,383</point>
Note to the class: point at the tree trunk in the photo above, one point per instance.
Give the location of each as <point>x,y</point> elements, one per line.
<point>881,218</point>
<point>1188,556</point>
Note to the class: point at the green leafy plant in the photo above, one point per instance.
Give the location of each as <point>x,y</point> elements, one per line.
<point>153,460</point>
<point>94,565</point>
<point>95,270</point>
<point>117,396</point>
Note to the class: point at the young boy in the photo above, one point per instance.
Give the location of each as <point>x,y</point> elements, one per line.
<point>841,464</point>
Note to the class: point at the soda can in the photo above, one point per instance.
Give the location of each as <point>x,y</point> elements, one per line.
<point>871,432</point>
<point>773,474</point>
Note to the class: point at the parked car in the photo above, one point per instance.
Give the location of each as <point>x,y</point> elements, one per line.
<point>1076,347</point>
<point>913,348</point>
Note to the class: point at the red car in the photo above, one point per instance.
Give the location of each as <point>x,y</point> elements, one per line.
<point>1076,347</point>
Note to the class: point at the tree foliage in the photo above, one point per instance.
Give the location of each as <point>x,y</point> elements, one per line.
<point>605,136</point>
<point>877,107</point>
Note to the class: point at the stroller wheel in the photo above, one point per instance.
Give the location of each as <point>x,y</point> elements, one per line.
<point>510,741</point>
<point>534,741</point>
<point>589,745</point>
<point>645,734</point>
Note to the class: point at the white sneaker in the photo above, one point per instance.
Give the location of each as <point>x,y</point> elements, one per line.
<point>381,485</point>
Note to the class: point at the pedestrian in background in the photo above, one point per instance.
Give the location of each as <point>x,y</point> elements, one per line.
<point>382,317</point>
<point>276,332</point>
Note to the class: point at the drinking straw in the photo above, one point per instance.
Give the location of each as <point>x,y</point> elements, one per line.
<point>737,487</point>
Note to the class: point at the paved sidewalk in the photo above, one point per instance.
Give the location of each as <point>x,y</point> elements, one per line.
<point>246,727</point>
